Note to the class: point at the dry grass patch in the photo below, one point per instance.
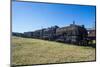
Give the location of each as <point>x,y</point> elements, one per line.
<point>35,51</point>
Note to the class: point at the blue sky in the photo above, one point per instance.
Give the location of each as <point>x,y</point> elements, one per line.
<point>29,16</point>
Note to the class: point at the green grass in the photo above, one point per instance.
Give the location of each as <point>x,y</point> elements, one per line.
<point>34,51</point>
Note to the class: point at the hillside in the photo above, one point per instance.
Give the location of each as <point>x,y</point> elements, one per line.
<point>34,51</point>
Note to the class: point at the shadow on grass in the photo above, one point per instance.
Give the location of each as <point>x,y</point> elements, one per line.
<point>93,45</point>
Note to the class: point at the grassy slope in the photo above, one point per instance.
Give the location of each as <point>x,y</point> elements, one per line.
<point>35,51</point>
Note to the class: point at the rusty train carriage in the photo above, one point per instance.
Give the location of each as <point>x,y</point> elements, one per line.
<point>50,33</point>
<point>74,34</point>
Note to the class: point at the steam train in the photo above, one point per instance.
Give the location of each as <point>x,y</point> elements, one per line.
<point>74,34</point>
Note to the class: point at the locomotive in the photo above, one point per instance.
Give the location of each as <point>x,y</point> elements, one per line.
<point>74,34</point>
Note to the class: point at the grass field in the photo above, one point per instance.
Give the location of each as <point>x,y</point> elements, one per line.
<point>34,51</point>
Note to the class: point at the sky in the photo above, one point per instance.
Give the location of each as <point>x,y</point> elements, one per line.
<point>30,16</point>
